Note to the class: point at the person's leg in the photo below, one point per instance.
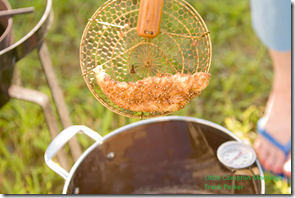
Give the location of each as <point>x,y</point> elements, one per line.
<point>271,21</point>
<point>278,115</point>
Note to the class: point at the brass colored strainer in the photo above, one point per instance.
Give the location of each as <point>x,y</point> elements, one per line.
<point>110,40</point>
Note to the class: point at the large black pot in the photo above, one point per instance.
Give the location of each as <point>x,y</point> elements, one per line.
<point>166,155</point>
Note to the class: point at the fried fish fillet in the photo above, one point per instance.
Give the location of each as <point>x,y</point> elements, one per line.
<point>161,93</point>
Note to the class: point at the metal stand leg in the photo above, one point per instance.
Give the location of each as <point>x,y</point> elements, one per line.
<point>58,98</point>
<point>44,101</point>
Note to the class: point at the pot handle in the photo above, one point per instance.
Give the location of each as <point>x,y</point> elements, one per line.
<point>60,140</point>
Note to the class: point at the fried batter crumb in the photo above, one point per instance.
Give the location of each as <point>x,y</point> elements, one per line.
<point>161,93</point>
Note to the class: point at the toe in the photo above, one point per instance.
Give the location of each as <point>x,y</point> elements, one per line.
<point>261,151</point>
<point>269,160</point>
<point>258,147</point>
<point>279,161</point>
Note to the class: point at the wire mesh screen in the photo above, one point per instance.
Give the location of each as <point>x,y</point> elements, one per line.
<point>110,41</point>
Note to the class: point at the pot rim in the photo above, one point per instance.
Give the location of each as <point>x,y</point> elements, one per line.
<point>47,15</point>
<point>154,120</point>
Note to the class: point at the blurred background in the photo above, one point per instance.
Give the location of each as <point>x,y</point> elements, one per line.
<point>235,98</point>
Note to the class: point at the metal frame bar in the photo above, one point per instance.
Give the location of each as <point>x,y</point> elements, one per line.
<point>43,100</point>
<point>58,98</point>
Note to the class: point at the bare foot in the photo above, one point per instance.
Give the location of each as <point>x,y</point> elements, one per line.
<point>277,115</point>
<point>278,125</point>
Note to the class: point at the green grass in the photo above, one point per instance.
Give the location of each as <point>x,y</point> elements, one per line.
<point>239,86</point>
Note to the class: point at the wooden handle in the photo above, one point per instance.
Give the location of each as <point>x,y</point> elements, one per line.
<point>149,18</point>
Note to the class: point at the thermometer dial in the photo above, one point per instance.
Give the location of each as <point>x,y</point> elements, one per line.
<point>236,155</point>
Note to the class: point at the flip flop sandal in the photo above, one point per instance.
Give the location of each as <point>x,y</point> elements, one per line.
<point>285,148</point>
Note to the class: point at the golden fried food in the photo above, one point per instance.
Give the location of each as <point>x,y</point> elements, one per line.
<point>161,93</point>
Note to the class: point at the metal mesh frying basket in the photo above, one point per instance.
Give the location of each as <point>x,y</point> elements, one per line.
<point>111,41</point>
